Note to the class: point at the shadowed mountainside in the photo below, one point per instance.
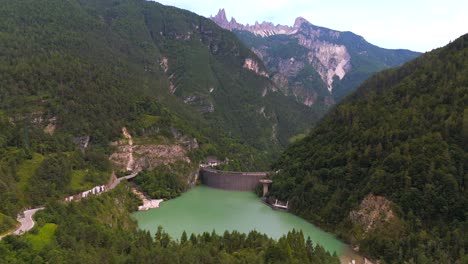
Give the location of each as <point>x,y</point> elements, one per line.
<point>386,169</point>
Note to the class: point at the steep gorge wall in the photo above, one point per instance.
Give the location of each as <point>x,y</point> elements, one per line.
<point>233,181</point>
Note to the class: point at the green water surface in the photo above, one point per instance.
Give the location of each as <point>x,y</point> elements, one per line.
<point>205,209</point>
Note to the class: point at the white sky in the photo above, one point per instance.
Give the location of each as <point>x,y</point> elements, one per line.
<point>419,25</point>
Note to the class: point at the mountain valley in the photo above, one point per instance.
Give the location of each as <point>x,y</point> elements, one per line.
<point>119,101</point>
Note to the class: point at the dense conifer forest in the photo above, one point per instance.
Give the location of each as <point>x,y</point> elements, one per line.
<point>100,230</point>
<point>78,69</point>
<point>402,135</point>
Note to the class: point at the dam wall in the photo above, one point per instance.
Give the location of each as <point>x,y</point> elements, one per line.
<point>230,180</point>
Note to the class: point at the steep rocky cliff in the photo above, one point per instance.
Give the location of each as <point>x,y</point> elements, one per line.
<point>147,153</point>
<point>374,212</point>
<point>317,65</point>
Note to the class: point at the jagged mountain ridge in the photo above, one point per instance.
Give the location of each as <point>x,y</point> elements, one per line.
<point>263,29</point>
<point>296,55</point>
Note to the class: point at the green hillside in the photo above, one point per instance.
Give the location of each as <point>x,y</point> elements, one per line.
<point>101,230</point>
<point>80,68</point>
<point>96,66</point>
<point>401,136</point>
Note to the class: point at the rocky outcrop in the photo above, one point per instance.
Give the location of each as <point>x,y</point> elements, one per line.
<point>373,212</point>
<point>334,55</point>
<point>202,103</point>
<point>136,157</point>
<point>147,156</point>
<point>51,126</point>
<point>290,67</point>
<point>327,58</point>
<point>330,60</point>
<point>164,64</point>
<point>305,96</point>
<point>252,65</point>
<point>82,142</point>
<point>262,29</point>
<point>147,202</point>
<point>151,156</point>
<point>131,161</point>
<point>188,143</point>
<point>193,178</point>
<point>282,82</point>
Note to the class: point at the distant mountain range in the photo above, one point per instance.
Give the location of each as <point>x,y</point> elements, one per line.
<point>315,64</point>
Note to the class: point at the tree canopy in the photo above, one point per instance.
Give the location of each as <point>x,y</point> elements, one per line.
<point>401,135</point>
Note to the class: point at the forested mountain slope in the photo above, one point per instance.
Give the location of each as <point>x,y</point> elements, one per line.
<point>387,168</point>
<point>57,56</point>
<point>76,72</point>
<point>100,229</point>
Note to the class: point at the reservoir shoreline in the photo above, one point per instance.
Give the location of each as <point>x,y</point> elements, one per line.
<point>204,209</point>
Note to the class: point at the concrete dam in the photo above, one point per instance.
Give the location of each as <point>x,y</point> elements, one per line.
<point>230,180</point>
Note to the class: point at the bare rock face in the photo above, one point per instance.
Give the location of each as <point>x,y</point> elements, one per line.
<point>290,67</point>
<point>221,19</point>
<point>281,81</point>
<point>186,142</point>
<point>136,157</point>
<point>151,156</point>
<point>122,156</point>
<point>373,212</point>
<point>333,60</point>
<point>262,29</point>
<point>327,58</point>
<point>201,102</point>
<point>164,64</point>
<point>82,142</point>
<point>147,156</point>
<point>252,65</point>
<point>260,53</point>
<point>51,126</point>
<point>306,96</point>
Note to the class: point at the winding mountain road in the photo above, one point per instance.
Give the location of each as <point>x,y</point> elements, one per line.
<point>26,221</point>
<point>26,217</point>
<point>116,182</point>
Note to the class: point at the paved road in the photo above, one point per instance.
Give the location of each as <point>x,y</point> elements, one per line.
<point>26,221</point>
<point>128,177</point>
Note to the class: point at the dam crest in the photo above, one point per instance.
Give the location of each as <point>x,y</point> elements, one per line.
<point>232,180</point>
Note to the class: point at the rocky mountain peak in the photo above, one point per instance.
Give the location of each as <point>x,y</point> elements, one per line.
<point>261,29</point>
<point>221,15</point>
<point>299,21</point>
<point>221,18</point>
<point>328,59</point>
<point>326,50</point>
